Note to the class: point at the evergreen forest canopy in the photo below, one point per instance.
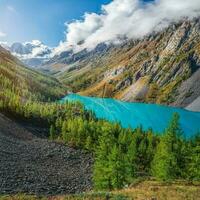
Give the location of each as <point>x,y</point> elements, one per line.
<point>121,155</point>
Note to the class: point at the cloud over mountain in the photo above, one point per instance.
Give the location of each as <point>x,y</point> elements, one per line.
<point>131,19</point>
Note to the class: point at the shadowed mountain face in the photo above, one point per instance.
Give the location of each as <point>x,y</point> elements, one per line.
<point>161,68</point>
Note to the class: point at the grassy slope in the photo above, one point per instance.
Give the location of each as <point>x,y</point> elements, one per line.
<point>144,190</point>
<point>26,82</point>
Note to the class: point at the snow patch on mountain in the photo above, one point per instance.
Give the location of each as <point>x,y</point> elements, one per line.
<point>32,53</point>
<point>33,49</point>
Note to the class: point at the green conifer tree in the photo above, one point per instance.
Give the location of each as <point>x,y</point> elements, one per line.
<point>194,159</point>
<point>164,161</point>
<point>194,166</point>
<point>52,132</point>
<point>119,168</point>
<point>165,164</point>
<point>102,174</point>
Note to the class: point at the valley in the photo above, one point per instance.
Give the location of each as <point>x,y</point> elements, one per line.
<point>115,120</point>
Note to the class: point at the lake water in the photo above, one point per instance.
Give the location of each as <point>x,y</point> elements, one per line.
<point>135,114</point>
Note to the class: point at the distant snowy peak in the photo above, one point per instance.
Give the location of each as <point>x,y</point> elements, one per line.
<point>20,49</point>
<point>34,49</point>
<point>34,43</point>
<point>32,53</point>
<point>5,45</point>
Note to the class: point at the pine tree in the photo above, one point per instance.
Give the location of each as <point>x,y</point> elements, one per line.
<point>152,143</point>
<point>88,143</point>
<point>177,143</point>
<point>194,159</point>
<point>194,165</point>
<point>117,167</point>
<point>52,132</point>
<point>102,174</point>
<point>131,157</point>
<point>64,131</point>
<point>165,164</point>
<point>164,161</point>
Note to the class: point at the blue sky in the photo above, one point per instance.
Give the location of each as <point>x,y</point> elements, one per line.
<point>44,20</point>
<point>25,20</point>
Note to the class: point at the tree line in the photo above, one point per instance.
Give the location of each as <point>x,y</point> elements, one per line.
<point>122,155</point>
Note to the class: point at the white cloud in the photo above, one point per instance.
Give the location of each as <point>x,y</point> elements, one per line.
<point>131,18</point>
<point>2,34</point>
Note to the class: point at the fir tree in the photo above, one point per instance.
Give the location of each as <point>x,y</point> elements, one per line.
<point>194,158</point>
<point>131,157</point>
<point>102,174</point>
<point>164,161</point>
<point>117,167</point>
<point>88,143</point>
<point>52,132</point>
<point>165,164</point>
<point>194,165</point>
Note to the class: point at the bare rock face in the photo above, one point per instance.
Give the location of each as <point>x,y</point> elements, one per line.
<point>189,91</point>
<point>177,38</point>
<point>124,83</point>
<point>195,105</point>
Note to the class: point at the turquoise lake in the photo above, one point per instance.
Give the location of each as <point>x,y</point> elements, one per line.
<point>135,114</point>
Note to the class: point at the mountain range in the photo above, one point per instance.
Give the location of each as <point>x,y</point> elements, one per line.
<point>162,67</point>
<point>33,53</point>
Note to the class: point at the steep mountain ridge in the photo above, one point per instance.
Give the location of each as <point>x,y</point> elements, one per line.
<point>162,68</point>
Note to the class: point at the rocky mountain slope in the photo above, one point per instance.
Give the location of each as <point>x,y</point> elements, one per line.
<point>162,68</point>
<point>29,164</point>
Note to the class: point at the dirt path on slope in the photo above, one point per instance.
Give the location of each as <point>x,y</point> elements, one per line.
<point>37,166</point>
